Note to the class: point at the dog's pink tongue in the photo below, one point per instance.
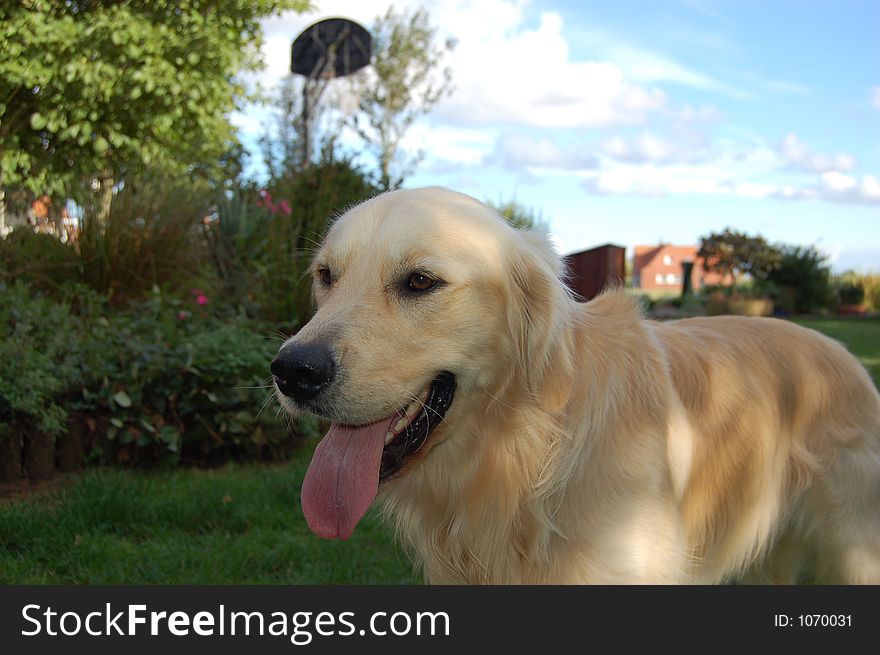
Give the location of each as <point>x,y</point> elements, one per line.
<point>343,478</point>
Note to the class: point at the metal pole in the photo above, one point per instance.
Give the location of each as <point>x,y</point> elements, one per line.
<point>306,138</point>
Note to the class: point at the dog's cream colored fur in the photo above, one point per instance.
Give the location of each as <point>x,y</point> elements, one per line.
<point>586,444</point>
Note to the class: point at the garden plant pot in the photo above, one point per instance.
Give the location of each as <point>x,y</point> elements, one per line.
<point>852,310</point>
<point>716,304</point>
<point>750,306</point>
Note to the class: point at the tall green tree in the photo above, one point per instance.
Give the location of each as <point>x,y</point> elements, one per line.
<point>93,89</point>
<point>402,84</point>
<point>732,253</point>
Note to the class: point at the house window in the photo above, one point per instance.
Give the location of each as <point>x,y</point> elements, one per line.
<point>658,279</point>
<point>667,260</point>
<point>672,278</point>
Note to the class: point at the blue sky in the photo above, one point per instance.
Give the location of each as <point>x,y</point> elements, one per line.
<point>636,121</point>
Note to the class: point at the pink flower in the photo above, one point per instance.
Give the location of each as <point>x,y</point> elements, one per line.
<point>265,200</point>
<point>183,315</point>
<point>284,208</point>
<point>202,299</point>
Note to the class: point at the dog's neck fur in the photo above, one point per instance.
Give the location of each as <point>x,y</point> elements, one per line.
<point>501,505</point>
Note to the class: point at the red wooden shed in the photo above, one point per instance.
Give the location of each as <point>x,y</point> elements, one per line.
<point>590,271</point>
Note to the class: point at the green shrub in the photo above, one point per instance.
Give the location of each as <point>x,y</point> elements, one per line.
<point>152,237</point>
<point>801,281</point>
<point>237,239</point>
<point>850,293</point>
<point>41,260</point>
<point>38,365</point>
<point>169,381</point>
<point>262,242</point>
<point>873,293</point>
<point>161,381</point>
<point>869,283</point>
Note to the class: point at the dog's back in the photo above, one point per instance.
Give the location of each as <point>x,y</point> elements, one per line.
<point>784,431</point>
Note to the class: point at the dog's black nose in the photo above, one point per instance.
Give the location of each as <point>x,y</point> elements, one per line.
<point>302,371</point>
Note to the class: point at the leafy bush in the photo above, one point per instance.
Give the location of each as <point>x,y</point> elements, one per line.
<point>152,237</point>
<point>801,280</point>
<point>262,242</point>
<point>850,294</point>
<point>161,381</point>
<point>869,283</point>
<point>237,237</point>
<point>37,365</point>
<point>172,382</point>
<point>41,260</point>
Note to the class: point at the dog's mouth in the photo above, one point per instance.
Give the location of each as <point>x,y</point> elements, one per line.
<point>411,430</point>
<point>350,462</point>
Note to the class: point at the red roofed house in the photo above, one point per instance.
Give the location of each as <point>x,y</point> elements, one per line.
<point>659,267</point>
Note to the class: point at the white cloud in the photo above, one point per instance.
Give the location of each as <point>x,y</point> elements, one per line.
<point>689,115</point>
<point>524,102</point>
<point>836,186</point>
<point>522,151</point>
<point>507,74</point>
<point>753,190</point>
<point>755,174</point>
<point>455,145</point>
<point>799,156</point>
<point>503,71</point>
<point>655,180</point>
<point>647,66</point>
<point>643,148</point>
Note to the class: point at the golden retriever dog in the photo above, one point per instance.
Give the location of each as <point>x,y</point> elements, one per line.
<point>514,435</point>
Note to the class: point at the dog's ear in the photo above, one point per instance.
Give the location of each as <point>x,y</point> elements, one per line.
<point>539,316</point>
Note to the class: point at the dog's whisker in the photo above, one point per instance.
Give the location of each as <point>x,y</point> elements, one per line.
<point>277,334</point>
<point>264,405</point>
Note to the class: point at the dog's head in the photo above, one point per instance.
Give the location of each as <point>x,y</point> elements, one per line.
<point>424,298</point>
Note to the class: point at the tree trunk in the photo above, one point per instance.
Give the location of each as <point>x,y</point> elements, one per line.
<point>385,169</point>
<point>105,198</point>
<point>2,213</point>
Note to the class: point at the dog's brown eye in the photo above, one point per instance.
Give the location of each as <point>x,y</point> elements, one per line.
<point>326,277</point>
<point>418,282</point>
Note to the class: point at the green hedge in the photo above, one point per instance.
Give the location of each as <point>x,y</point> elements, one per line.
<point>161,381</point>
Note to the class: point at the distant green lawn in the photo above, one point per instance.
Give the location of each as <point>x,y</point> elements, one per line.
<point>236,525</point>
<point>860,336</point>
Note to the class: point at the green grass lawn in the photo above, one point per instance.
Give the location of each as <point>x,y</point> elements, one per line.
<point>236,525</point>
<point>860,336</point>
